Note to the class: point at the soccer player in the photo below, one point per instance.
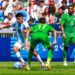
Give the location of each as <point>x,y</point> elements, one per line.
<point>40,35</point>
<point>68,30</point>
<point>20,26</point>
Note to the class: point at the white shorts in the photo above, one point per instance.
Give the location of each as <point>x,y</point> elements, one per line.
<point>21,46</point>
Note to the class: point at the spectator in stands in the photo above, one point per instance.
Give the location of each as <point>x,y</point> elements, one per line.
<point>64,5</point>
<point>18,5</point>
<point>53,7</point>
<point>9,20</point>
<point>52,10</point>
<point>31,12</point>
<point>52,19</point>
<point>59,3</point>
<point>7,7</point>
<point>73,3</point>
<point>58,15</point>
<point>46,14</point>
<point>41,8</point>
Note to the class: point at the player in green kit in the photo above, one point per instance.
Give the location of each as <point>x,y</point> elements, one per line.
<point>40,35</point>
<point>68,30</point>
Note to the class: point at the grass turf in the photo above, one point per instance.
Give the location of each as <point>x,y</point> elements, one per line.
<point>6,68</point>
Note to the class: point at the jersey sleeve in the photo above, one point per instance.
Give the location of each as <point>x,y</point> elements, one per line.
<point>50,28</point>
<point>26,24</point>
<point>32,28</point>
<point>63,19</point>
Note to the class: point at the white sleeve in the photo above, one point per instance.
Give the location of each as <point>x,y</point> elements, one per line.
<point>5,20</point>
<point>26,24</point>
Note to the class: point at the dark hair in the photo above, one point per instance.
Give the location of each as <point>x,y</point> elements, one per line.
<point>60,8</point>
<point>45,10</point>
<point>19,15</point>
<point>70,6</point>
<point>73,4</point>
<point>42,20</point>
<point>64,1</point>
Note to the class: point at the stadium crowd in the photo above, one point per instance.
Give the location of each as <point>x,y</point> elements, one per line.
<point>52,10</point>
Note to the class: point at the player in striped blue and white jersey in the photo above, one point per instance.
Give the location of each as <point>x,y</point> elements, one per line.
<point>20,26</point>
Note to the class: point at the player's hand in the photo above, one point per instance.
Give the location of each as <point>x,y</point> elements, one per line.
<point>27,43</point>
<point>64,36</point>
<point>25,31</point>
<point>54,43</point>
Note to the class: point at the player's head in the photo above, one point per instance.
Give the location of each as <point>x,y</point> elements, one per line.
<point>9,16</point>
<point>41,3</point>
<point>71,9</point>
<point>64,3</point>
<point>42,20</point>
<point>60,10</point>
<point>19,18</point>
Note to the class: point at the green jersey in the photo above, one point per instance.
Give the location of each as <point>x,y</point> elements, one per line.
<point>69,23</point>
<point>40,35</point>
<point>45,28</point>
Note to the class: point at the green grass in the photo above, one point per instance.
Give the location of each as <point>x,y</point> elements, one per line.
<point>6,68</point>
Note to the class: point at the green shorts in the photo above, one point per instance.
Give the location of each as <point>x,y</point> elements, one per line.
<point>40,37</point>
<point>69,38</point>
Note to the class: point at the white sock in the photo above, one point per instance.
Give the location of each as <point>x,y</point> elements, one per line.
<point>40,60</point>
<point>20,57</point>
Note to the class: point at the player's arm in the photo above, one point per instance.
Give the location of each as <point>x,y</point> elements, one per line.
<point>7,26</point>
<point>55,36</point>
<point>27,31</point>
<point>62,30</point>
<point>51,29</point>
<point>61,26</point>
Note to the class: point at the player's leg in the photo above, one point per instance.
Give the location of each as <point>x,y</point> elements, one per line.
<point>65,55</point>
<point>39,59</point>
<point>16,49</point>
<point>50,54</point>
<point>32,52</point>
<point>66,46</point>
<point>46,42</point>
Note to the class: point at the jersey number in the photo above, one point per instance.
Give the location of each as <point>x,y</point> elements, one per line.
<point>43,27</point>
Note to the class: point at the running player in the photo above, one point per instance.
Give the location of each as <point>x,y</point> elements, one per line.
<point>68,30</point>
<point>40,35</point>
<point>20,26</point>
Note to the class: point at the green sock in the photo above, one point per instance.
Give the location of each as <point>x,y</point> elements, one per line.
<point>30,57</point>
<point>50,54</point>
<point>64,55</point>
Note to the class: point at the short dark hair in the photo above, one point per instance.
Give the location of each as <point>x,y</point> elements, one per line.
<point>64,1</point>
<point>19,15</point>
<point>70,6</point>
<point>42,20</point>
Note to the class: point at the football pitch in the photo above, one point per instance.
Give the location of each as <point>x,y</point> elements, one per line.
<point>6,68</point>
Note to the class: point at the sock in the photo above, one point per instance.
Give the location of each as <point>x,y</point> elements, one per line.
<point>40,60</point>
<point>19,57</point>
<point>30,57</point>
<point>50,54</point>
<point>65,55</point>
